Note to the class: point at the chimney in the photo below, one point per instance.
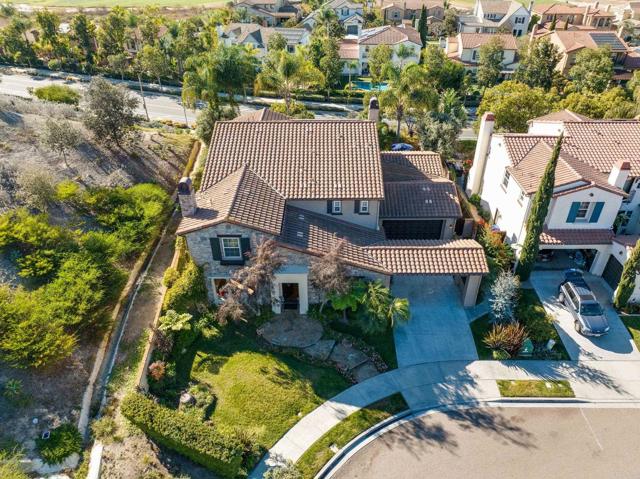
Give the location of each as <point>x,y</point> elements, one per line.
<point>374,109</point>
<point>530,9</point>
<point>476,174</point>
<point>619,173</point>
<point>186,197</point>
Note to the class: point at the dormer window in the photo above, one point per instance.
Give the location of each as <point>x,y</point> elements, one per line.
<point>334,207</point>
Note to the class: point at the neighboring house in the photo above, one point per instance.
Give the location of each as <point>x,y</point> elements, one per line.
<point>308,184</point>
<point>356,50</point>
<point>408,11</point>
<point>256,36</point>
<point>496,16</point>
<point>588,16</point>
<point>465,48</point>
<point>596,198</point>
<point>570,42</point>
<point>270,12</point>
<point>349,14</point>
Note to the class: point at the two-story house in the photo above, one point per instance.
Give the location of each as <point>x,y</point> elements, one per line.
<point>258,37</point>
<point>269,12</point>
<point>595,201</point>
<point>590,16</point>
<point>571,42</point>
<point>350,14</point>
<point>409,11</point>
<point>465,48</point>
<point>355,51</point>
<point>308,184</point>
<point>496,16</point>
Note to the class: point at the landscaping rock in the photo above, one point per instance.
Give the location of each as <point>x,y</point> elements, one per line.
<point>321,350</point>
<point>365,371</point>
<point>291,331</point>
<point>347,357</point>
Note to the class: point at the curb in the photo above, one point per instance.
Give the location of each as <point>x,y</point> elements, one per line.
<point>371,434</point>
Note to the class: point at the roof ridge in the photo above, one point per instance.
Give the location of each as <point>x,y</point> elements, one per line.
<point>263,180</point>
<point>235,193</point>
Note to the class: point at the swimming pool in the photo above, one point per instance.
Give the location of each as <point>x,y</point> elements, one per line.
<point>366,85</point>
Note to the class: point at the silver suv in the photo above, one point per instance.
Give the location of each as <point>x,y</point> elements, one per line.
<point>588,316</point>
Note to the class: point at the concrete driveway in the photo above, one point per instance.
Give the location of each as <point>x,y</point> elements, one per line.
<point>615,345</point>
<point>516,442</point>
<point>438,329</point>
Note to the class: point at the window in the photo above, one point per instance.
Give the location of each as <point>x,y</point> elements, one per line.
<point>521,197</point>
<point>230,248</point>
<point>519,20</point>
<point>364,207</point>
<point>474,54</point>
<point>583,210</point>
<point>336,207</point>
<point>505,179</point>
<point>219,287</point>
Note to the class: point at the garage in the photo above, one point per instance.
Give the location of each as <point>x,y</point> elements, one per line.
<point>413,229</point>
<point>612,272</point>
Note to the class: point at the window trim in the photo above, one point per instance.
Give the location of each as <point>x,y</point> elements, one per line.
<point>506,177</point>
<point>587,212</point>
<point>364,210</point>
<point>521,197</point>
<point>223,253</point>
<point>335,203</point>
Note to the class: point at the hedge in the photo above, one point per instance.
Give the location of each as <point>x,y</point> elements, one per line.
<point>185,434</point>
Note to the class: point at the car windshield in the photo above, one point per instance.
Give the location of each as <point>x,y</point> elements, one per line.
<point>591,309</point>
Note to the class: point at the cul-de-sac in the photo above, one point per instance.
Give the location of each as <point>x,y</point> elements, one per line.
<point>319,239</point>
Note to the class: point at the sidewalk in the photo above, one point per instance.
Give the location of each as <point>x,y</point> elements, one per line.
<point>177,91</point>
<point>455,382</point>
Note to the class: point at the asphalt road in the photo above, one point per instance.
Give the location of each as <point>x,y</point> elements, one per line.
<point>160,106</point>
<point>567,443</point>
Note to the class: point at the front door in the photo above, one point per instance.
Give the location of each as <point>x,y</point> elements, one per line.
<point>290,296</point>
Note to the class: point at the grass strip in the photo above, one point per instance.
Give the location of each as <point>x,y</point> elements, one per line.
<point>535,388</point>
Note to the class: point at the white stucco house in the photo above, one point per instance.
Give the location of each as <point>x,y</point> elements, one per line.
<point>350,15</point>
<point>465,48</point>
<point>496,16</point>
<point>596,202</point>
<point>308,184</point>
<point>356,49</point>
<point>268,12</point>
<point>257,37</point>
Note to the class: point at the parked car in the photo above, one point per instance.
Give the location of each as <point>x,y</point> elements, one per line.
<point>575,294</point>
<point>401,147</point>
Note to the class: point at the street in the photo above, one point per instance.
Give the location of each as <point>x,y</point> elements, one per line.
<point>160,106</point>
<point>512,442</point>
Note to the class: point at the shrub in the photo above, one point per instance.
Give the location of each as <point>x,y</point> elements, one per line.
<point>64,441</point>
<point>186,291</point>
<point>58,94</point>
<point>170,277</point>
<point>185,434</point>
<point>508,337</point>
<point>10,467</point>
<point>504,295</point>
<point>105,429</point>
<point>157,370</point>
<point>286,471</point>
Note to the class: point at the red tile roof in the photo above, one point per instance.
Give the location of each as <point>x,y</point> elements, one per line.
<point>263,114</point>
<point>575,237</point>
<point>301,159</point>
<point>389,35</point>
<point>476,40</point>
<point>411,165</point>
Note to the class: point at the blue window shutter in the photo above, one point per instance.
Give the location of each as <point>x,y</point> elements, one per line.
<point>330,206</point>
<point>215,248</point>
<point>356,207</point>
<point>573,212</point>
<point>597,209</point>
<point>245,246</point>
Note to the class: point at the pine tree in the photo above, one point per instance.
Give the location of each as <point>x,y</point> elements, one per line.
<point>628,279</point>
<point>537,215</point>
<point>423,29</point>
<point>552,27</point>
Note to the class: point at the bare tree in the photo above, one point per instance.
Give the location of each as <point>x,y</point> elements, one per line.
<point>328,273</point>
<point>60,136</point>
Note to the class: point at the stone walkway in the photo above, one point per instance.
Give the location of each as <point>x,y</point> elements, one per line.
<point>290,330</point>
<point>455,382</point>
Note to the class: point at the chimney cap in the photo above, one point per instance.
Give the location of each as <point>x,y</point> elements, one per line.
<point>373,103</point>
<point>185,186</point>
<point>623,164</point>
<point>488,116</point>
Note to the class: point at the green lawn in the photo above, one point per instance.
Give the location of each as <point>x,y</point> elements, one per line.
<point>632,322</point>
<point>383,343</point>
<point>535,389</point>
<point>531,313</point>
<point>320,452</point>
<point>260,393</point>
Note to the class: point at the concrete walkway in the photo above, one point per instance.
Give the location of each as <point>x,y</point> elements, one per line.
<point>454,382</point>
<point>438,329</point>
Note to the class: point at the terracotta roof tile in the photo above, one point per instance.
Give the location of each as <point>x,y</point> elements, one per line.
<point>559,9</point>
<point>437,257</point>
<point>569,237</point>
<point>301,159</point>
<point>435,198</point>
<point>627,240</point>
<point>476,40</point>
<point>411,165</point>
<point>263,114</point>
<point>389,35</point>
<point>241,198</point>
<point>562,115</point>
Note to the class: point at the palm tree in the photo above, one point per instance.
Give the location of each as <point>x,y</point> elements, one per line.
<point>404,52</point>
<point>407,94</point>
<point>285,73</point>
<point>384,311</point>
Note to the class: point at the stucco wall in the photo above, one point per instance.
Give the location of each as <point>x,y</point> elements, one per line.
<point>560,206</point>
<point>348,214</point>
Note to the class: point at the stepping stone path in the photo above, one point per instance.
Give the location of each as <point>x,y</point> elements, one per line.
<point>294,331</point>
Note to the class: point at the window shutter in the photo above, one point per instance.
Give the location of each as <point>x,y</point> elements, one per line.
<point>215,248</point>
<point>573,212</point>
<point>329,206</point>
<point>597,209</point>
<point>245,246</point>
<point>356,207</point>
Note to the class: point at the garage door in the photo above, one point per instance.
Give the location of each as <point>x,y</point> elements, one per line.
<point>418,229</point>
<point>612,272</point>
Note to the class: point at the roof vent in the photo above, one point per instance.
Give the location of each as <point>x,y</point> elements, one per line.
<point>300,234</point>
<point>301,217</point>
